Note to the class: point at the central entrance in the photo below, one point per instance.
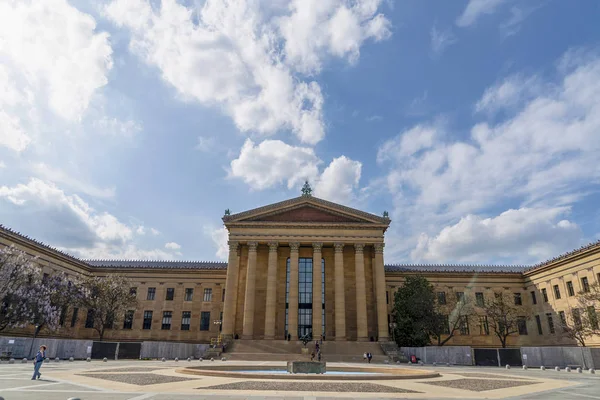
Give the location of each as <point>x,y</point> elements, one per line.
<point>305,297</point>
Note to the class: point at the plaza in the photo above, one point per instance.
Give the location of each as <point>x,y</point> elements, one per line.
<point>137,380</point>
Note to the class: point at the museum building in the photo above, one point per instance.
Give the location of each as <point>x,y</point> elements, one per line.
<point>309,267</point>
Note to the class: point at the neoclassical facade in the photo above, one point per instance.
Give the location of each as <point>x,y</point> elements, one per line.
<point>306,266</point>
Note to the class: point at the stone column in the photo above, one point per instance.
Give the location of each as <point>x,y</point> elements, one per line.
<point>379,275</point>
<point>271,292</point>
<point>248,327</point>
<point>230,290</point>
<point>293,294</point>
<point>340,293</point>
<point>317,299</point>
<point>361,294</point>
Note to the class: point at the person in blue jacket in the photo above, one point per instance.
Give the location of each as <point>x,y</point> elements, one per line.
<point>37,362</point>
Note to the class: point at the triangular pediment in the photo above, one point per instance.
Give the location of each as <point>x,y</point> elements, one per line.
<point>306,209</point>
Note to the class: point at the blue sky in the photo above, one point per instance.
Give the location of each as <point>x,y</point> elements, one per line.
<point>127,127</point>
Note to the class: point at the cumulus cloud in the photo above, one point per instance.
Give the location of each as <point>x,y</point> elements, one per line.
<point>274,162</point>
<point>52,59</point>
<point>57,175</point>
<point>476,9</point>
<point>508,93</point>
<point>105,251</point>
<point>172,246</point>
<point>244,55</point>
<point>339,180</point>
<point>542,153</point>
<point>524,235</point>
<point>219,237</point>
<point>47,197</point>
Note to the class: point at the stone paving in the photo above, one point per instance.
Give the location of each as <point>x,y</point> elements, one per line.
<point>155,380</point>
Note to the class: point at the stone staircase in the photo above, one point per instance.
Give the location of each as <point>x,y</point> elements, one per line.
<point>393,352</point>
<point>282,350</point>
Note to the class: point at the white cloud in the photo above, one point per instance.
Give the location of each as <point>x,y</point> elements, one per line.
<point>542,153</point>
<point>48,198</point>
<point>56,175</point>
<point>315,28</point>
<point>517,16</point>
<point>525,235</point>
<point>140,230</point>
<point>104,251</point>
<point>339,180</point>
<point>243,55</point>
<point>154,231</point>
<point>205,144</point>
<point>114,126</point>
<point>509,93</point>
<point>476,9</point>
<point>274,162</point>
<point>2,165</point>
<point>440,40</point>
<point>374,118</point>
<point>52,59</point>
<point>172,246</point>
<point>219,237</point>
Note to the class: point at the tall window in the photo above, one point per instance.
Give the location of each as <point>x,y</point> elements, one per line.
<point>550,323</point>
<point>556,292</point>
<point>223,296</point>
<point>221,319</point>
<point>484,326</point>
<point>545,295</point>
<point>538,322</point>
<point>151,293</point>
<point>460,297</point>
<point>133,291</point>
<point>570,289</point>
<point>208,294</point>
<point>533,299</point>
<point>563,320</point>
<point>63,315</point>
<point>186,317</point>
<point>128,320</point>
<point>204,320</point>
<point>522,325</point>
<point>518,301</point>
<point>189,294</point>
<point>593,317</point>
<point>441,296</point>
<point>585,286</point>
<point>577,318</point>
<point>74,316</point>
<point>479,299</point>
<point>147,320</point>
<point>446,325</point>
<point>166,321</point>
<point>170,293</point>
<point>464,325</point>
<point>387,297</point>
<point>89,320</point>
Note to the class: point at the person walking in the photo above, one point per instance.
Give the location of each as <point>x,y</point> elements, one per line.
<point>369,356</point>
<point>37,362</point>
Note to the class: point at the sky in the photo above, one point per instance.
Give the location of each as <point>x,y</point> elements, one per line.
<point>127,127</point>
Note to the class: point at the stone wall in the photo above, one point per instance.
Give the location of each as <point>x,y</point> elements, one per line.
<point>170,350</point>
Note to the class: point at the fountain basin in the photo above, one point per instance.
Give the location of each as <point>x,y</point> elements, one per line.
<point>333,373</point>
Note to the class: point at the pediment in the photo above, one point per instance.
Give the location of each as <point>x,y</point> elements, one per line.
<point>306,209</point>
<point>305,213</point>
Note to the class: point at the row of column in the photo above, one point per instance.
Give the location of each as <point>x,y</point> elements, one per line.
<point>317,322</point>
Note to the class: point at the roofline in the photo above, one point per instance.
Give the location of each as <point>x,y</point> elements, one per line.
<point>299,199</point>
<point>562,258</point>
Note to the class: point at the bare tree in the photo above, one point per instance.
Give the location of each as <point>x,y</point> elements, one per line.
<point>451,313</point>
<point>580,325</point>
<point>107,299</point>
<point>504,316</point>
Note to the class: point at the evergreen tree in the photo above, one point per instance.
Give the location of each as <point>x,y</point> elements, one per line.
<point>414,312</point>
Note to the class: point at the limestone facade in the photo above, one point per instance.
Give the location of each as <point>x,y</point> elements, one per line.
<point>262,281</point>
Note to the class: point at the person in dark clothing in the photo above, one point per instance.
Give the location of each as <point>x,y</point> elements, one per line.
<point>369,356</point>
<point>37,362</point>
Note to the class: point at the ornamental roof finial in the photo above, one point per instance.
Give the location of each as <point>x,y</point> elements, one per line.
<point>386,215</point>
<point>306,189</point>
<point>227,212</point>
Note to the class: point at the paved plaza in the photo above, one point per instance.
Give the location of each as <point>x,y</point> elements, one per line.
<point>137,380</point>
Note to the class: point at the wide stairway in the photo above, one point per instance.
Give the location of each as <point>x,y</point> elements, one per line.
<point>282,350</point>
